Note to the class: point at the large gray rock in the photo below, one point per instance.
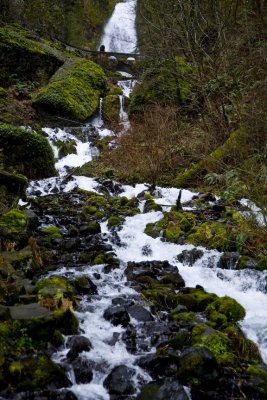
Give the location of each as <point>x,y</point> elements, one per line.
<point>167,390</point>
<point>29,311</point>
<point>119,381</point>
<point>78,344</point>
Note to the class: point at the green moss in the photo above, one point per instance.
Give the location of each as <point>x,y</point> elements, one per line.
<point>74,91</point>
<point>150,205</point>
<point>99,259</point>
<point>160,297</point>
<point>164,82</point>
<point>15,219</point>
<point>97,201</point>
<point>115,90</point>
<point>180,340</point>
<point>93,227</point>
<point>197,300</point>
<point>213,236</point>
<point>213,162</point>
<point>114,221</point>
<point>217,342</point>
<point>3,95</point>
<point>260,374</point>
<point>227,306</point>
<point>52,232</point>
<point>173,225</point>
<point>111,108</point>
<point>242,262</point>
<point>28,151</point>
<point>66,148</point>
<point>242,347</point>
<point>183,316</point>
<point>262,263</point>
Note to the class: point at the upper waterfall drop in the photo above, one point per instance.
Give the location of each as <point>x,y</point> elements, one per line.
<point>120,33</point>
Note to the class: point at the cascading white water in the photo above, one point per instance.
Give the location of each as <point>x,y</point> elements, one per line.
<point>120,33</point>
<point>247,287</point>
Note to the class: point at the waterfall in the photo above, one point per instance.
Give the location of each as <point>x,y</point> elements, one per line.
<point>119,33</point>
<point>108,347</point>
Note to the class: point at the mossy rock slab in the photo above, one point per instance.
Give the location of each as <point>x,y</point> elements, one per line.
<point>28,311</point>
<point>74,91</point>
<point>28,152</point>
<point>35,373</point>
<point>111,108</point>
<point>230,308</point>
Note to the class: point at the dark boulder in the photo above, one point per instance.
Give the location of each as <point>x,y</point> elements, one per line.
<point>78,344</point>
<point>83,370</point>
<point>117,315</point>
<point>119,381</point>
<point>139,313</point>
<point>84,285</point>
<point>167,390</point>
<point>159,366</point>
<point>197,364</point>
<point>189,257</point>
<point>229,260</point>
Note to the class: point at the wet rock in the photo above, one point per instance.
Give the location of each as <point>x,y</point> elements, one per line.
<point>197,363</point>
<point>72,244</point>
<point>189,257</point>
<point>45,395</point>
<point>159,366</point>
<point>139,313</point>
<point>153,269</point>
<point>117,315</point>
<point>36,372</point>
<point>78,344</point>
<point>120,301</point>
<point>167,390</point>
<point>4,313</point>
<point>129,338</point>
<point>229,260</point>
<point>119,381</point>
<point>34,310</point>
<point>83,370</point>
<point>84,285</point>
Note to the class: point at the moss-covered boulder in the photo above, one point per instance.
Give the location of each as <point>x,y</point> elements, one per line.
<point>215,160</point>
<point>13,228</point>
<point>65,148</point>
<point>56,293</point>
<point>172,226</point>
<point>228,307</point>
<point>111,108</point>
<point>164,82</point>
<point>35,373</point>
<point>24,59</point>
<point>27,151</point>
<point>73,91</point>
<point>52,232</point>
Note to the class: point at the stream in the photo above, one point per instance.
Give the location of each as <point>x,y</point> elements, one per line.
<point>131,244</point>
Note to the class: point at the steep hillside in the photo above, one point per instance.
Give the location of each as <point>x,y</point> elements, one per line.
<point>202,97</point>
<point>75,22</point>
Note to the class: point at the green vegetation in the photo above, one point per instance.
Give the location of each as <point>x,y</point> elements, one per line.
<point>74,91</point>
<point>111,108</point>
<point>28,151</point>
<point>52,232</point>
<point>78,23</point>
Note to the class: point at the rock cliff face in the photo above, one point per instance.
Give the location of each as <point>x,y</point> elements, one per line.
<point>77,22</point>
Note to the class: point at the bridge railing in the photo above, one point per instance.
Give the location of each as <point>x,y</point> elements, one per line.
<point>86,52</point>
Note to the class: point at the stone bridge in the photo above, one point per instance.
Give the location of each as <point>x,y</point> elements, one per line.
<point>96,53</point>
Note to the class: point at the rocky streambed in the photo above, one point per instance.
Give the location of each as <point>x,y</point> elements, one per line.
<point>95,311</point>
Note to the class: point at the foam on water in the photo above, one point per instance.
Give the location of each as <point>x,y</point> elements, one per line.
<point>248,287</point>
